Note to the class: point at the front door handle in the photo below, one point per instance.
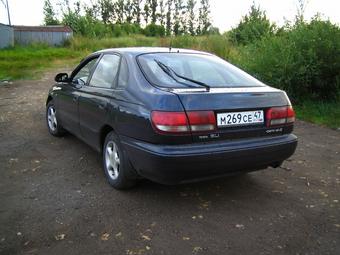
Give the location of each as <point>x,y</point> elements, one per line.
<point>101,106</point>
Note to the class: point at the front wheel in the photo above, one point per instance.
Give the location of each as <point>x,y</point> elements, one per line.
<point>53,124</point>
<point>117,167</point>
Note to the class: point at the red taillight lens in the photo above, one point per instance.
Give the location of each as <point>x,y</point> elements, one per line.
<point>202,121</point>
<point>280,115</point>
<point>290,114</point>
<point>180,122</point>
<point>170,122</point>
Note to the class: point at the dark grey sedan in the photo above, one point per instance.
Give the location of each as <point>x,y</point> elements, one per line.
<point>171,115</point>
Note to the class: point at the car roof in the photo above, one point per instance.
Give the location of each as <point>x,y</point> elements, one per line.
<point>144,50</point>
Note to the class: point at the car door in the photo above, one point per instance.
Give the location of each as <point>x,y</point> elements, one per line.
<point>68,95</point>
<point>95,98</point>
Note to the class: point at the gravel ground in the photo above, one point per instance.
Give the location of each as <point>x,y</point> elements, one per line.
<point>55,200</point>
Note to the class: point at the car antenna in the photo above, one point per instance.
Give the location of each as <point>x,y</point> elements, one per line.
<point>171,41</point>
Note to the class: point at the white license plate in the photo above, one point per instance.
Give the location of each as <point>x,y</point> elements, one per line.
<point>239,118</point>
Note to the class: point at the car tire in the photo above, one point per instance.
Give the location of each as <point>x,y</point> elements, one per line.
<point>118,170</point>
<point>53,124</point>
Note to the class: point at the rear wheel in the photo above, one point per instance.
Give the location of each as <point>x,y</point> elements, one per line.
<point>53,124</point>
<point>117,167</point>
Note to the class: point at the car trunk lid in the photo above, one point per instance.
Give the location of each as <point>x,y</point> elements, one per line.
<point>236,102</point>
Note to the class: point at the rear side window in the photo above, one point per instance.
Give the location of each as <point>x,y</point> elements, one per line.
<point>123,74</point>
<point>207,69</point>
<point>106,71</point>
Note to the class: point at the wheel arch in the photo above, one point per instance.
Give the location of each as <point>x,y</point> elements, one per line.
<point>103,133</point>
<point>49,98</point>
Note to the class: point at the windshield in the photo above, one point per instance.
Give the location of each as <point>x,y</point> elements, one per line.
<point>209,70</point>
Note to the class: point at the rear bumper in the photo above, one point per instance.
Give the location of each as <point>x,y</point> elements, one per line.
<point>172,164</point>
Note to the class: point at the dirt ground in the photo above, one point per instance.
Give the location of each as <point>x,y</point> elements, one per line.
<point>54,198</point>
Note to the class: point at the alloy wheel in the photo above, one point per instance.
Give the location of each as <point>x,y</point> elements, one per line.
<point>52,118</point>
<point>112,160</point>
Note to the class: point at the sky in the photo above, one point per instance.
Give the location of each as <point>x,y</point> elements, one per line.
<point>225,14</point>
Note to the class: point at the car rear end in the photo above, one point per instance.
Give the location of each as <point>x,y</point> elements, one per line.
<point>225,128</point>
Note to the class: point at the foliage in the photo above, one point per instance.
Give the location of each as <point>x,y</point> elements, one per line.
<point>204,17</point>
<point>254,26</point>
<point>319,112</point>
<point>191,11</point>
<point>154,30</point>
<point>304,60</point>
<point>97,19</point>
<point>49,14</point>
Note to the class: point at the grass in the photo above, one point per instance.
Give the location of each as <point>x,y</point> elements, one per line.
<point>28,62</point>
<point>322,113</point>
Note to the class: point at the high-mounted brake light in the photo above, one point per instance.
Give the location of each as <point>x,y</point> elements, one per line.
<point>280,116</point>
<point>181,122</point>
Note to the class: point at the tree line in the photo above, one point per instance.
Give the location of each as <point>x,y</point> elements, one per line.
<point>157,17</point>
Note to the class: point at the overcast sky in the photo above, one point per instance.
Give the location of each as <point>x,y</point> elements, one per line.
<point>224,13</point>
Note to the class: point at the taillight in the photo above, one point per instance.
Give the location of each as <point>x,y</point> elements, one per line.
<point>170,122</point>
<point>181,122</point>
<point>280,116</point>
<point>202,121</point>
<point>290,114</point>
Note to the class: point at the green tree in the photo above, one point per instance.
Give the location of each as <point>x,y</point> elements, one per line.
<point>128,11</point>
<point>168,16</point>
<point>49,14</point>
<point>153,7</point>
<point>107,11</point>
<point>119,10</point>
<point>136,11</point>
<point>178,17</point>
<point>161,14</point>
<point>252,27</point>
<point>191,12</point>
<point>301,7</point>
<point>204,21</point>
<point>147,11</point>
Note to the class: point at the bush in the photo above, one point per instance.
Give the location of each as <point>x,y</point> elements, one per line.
<point>304,60</point>
<point>154,30</point>
<point>252,27</point>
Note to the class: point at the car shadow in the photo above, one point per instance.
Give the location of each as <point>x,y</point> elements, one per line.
<point>256,186</point>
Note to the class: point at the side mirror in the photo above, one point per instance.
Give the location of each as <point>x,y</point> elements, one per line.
<point>61,77</point>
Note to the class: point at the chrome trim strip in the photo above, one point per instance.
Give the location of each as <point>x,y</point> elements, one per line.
<point>227,90</point>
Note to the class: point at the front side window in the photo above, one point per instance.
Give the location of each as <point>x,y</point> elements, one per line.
<point>203,68</point>
<point>83,74</point>
<point>106,71</point>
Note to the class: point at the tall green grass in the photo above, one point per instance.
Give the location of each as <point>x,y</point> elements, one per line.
<point>27,62</point>
<point>319,112</point>
<point>86,45</point>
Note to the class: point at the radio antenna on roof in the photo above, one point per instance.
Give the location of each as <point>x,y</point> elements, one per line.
<point>170,46</point>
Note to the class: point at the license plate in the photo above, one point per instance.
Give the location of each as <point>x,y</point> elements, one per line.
<point>239,118</point>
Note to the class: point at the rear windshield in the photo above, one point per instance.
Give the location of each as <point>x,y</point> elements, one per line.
<point>207,69</point>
